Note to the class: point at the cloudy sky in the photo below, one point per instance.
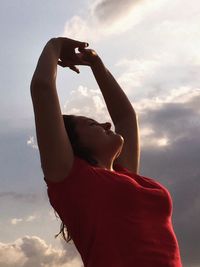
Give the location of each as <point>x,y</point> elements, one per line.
<point>153,50</point>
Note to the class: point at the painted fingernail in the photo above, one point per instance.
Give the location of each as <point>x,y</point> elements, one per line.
<point>86,44</point>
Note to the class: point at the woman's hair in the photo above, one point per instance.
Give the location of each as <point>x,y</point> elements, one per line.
<point>79,151</point>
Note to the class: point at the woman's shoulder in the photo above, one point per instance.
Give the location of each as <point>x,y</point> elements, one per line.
<point>79,167</point>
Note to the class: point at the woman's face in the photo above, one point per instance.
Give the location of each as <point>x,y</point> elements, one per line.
<point>98,137</point>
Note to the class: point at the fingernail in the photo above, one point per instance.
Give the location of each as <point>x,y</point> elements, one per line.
<point>86,44</point>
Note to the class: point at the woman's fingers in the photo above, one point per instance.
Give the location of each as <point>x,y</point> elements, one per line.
<point>61,63</point>
<point>78,44</point>
<point>74,68</point>
<point>68,47</point>
<point>88,55</point>
<point>81,45</point>
<point>72,42</point>
<point>81,49</point>
<point>76,59</point>
<point>69,58</point>
<point>69,65</point>
<point>80,59</point>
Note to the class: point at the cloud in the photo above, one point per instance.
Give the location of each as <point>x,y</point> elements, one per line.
<point>28,197</point>
<point>163,72</point>
<point>176,118</point>
<point>106,18</point>
<point>32,142</point>
<point>109,10</point>
<point>176,115</point>
<point>29,218</point>
<point>11,255</point>
<point>16,221</point>
<point>32,251</point>
<point>154,22</point>
<point>86,102</point>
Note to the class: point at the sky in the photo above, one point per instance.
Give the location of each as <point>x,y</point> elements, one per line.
<point>153,50</point>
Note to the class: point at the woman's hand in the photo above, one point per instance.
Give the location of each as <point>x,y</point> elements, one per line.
<point>88,55</point>
<point>68,57</point>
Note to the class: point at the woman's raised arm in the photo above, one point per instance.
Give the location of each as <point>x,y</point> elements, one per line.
<point>55,149</point>
<point>120,109</point>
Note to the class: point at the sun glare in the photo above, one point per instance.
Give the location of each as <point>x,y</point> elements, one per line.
<point>163,142</point>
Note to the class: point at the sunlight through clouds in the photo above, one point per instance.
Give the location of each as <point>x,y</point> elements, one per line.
<point>15,221</point>
<point>163,142</point>
<point>145,131</point>
<point>109,18</point>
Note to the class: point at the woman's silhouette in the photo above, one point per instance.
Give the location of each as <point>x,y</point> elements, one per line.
<point>116,217</point>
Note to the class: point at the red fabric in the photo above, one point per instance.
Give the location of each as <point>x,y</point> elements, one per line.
<point>116,219</point>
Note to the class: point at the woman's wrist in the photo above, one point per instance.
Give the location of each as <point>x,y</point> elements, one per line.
<point>97,63</point>
<point>96,60</point>
<point>56,44</point>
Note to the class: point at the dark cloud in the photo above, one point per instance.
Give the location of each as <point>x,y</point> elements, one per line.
<point>176,121</point>
<point>109,10</point>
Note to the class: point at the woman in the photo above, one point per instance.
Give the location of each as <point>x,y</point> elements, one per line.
<point>116,217</point>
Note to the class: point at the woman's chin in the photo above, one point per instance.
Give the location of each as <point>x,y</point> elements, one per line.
<point>120,137</point>
<point>119,140</point>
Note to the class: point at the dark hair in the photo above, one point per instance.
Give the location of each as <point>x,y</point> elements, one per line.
<point>79,151</point>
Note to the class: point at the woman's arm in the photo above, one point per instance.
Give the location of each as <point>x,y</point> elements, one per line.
<point>56,153</point>
<point>122,113</point>
<point>113,95</point>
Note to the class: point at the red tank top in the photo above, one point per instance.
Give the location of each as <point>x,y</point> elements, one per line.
<point>116,219</point>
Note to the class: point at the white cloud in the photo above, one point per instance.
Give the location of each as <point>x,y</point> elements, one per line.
<point>137,73</point>
<point>32,142</point>
<point>163,141</point>
<point>182,95</point>
<point>160,72</point>
<point>33,251</point>
<point>29,218</point>
<point>106,18</point>
<point>86,102</point>
<point>145,131</point>
<point>15,221</point>
<point>79,28</point>
<point>11,255</point>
